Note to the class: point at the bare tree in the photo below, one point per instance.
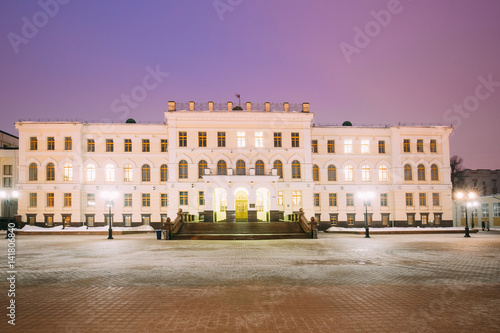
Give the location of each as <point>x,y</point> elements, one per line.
<point>457,172</point>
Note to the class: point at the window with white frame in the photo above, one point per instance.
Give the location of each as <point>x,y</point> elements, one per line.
<point>496,209</point>
<point>68,171</point>
<point>348,173</point>
<point>382,173</point>
<point>241,139</point>
<point>485,210</point>
<point>110,172</point>
<point>296,197</point>
<point>365,173</point>
<point>90,171</point>
<point>348,146</point>
<point>259,139</point>
<point>365,146</point>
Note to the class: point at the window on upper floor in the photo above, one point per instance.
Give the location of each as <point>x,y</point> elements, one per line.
<point>240,136</point>
<point>90,145</point>
<point>51,171</point>
<point>381,147</point>
<point>68,143</point>
<point>68,171</point>
<point>240,167</point>
<point>434,172</point>
<point>365,173</point>
<point>128,174</point>
<point>314,146</point>
<point>330,146</point>
<point>183,169</point>
<point>163,173</point>
<point>145,146</point>
<point>259,168</point>
<point>295,169</point>
<point>109,145</point>
<point>202,139</point>
<point>382,173</point>
<point>365,146</point>
<point>127,145</point>
<point>222,167</point>
<point>146,173</point>
<point>182,139</point>
<point>221,139</point>
<point>33,172</point>
<point>315,171</point>
<point>277,139</point>
<point>259,139</point>
<point>348,146</point>
<point>332,173</point>
<point>408,172</point>
<point>278,165</point>
<point>421,172</point>
<point>164,145</point>
<point>433,146</point>
<point>348,173</point>
<point>51,143</point>
<point>90,172</point>
<point>406,145</point>
<point>295,139</point>
<point>420,146</point>
<point>110,172</point>
<point>202,165</point>
<point>33,143</point>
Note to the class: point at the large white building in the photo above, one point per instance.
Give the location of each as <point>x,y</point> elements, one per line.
<point>233,165</point>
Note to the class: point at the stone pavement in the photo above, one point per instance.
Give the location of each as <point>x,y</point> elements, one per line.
<point>337,283</point>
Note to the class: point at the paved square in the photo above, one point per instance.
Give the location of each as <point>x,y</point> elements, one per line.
<point>338,283</point>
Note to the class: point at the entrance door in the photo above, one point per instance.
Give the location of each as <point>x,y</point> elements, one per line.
<point>241,205</point>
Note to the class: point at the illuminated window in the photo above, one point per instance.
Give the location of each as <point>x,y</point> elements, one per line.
<point>332,173</point>
<point>164,199</point>
<point>259,139</point>
<point>163,173</point>
<point>201,198</point>
<point>420,146</point>
<point>127,220</point>
<point>348,146</point>
<point>334,218</point>
<point>90,200</point>
<point>127,200</point>
<point>68,171</point>
<point>202,139</point>
<point>164,145</point>
<point>127,146</point>
<point>315,171</point>
<point>296,198</point>
<point>241,139</point>
<point>127,173</point>
<point>68,143</point>
<point>280,198</point>
<point>332,199</point>
<point>421,172</point>
<point>349,199</point>
<point>435,199</point>
<point>183,198</point>
<point>50,199</point>
<point>365,173</point>
<point>422,199</point>
<point>33,200</point>
<point>434,172</point>
<point>33,172</point>
<point>410,218</point>
<point>433,146</point>
<point>331,146</point>
<point>365,146</point>
<point>146,200</point>
<point>295,169</point>
<point>183,169</point>
<point>277,139</point>
<point>316,199</point>
<point>409,199</point>
<point>278,165</point>
<point>110,172</point>
<point>221,139</point>
<point>109,145</point>
<point>222,167</point>
<point>383,199</point>
<point>295,140</point>
<point>381,147</point>
<point>202,165</point>
<point>90,145</point>
<point>33,143</point>
<point>240,167</point>
<point>67,199</point>
<point>382,173</point>
<point>259,168</point>
<point>146,173</point>
<point>496,209</point>
<point>408,172</point>
<point>350,219</point>
<point>348,173</point>
<point>182,139</point>
<point>314,146</point>
<point>51,171</point>
<point>406,145</point>
<point>51,143</point>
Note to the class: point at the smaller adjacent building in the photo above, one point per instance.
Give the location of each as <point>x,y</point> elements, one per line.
<point>484,182</point>
<point>9,158</point>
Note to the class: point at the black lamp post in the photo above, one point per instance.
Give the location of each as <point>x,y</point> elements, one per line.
<point>8,196</point>
<point>469,203</point>
<point>109,197</point>
<point>366,197</point>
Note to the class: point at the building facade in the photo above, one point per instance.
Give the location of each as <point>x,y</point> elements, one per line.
<point>8,176</point>
<point>233,165</point>
<point>484,182</point>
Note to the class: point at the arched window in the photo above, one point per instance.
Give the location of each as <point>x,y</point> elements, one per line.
<point>382,173</point>
<point>315,173</point>
<point>90,172</point>
<point>240,167</point>
<point>295,169</point>
<point>408,172</point>
<point>183,169</point>
<point>146,173</point>
<point>110,172</point>
<point>164,173</point>
<point>33,172</point>
<point>332,173</point>
<point>348,173</point>
<point>434,172</point>
<point>278,165</point>
<point>259,168</point>
<point>365,173</point>
<point>202,165</point>
<point>421,172</point>
<point>51,171</point>
<point>68,171</point>
<point>222,167</point>
<point>128,174</point>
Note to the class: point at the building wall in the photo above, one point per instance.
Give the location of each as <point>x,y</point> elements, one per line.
<point>8,179</point>
<point>482,181</point>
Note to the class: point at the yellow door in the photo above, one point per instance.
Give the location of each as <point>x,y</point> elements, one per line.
<point>241,205</point>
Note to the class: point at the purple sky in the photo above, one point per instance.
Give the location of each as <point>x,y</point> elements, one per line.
<point>415,67</point>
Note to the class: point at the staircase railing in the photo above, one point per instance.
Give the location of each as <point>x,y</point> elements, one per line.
<point>173,227</point>
<point>311,227</point>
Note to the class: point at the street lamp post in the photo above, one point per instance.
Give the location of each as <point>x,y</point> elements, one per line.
<point>109,197</point>
<point>366,197</point>
<point>469,203</point>
<point>8,196</point>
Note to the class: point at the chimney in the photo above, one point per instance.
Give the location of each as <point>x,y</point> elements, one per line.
<point>286,107</point>
<point>305,107</point>
<point>267,106</point>
<point>210,106</point>
<point>171,106</point>
<point>191,106</point>
<point>249,106</point>
<point>229,106</point>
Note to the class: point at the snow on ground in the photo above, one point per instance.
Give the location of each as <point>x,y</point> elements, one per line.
<point>84,228</point>
<point>333,229</point>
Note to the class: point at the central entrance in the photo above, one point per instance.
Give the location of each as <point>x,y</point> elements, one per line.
<point>241,206</point>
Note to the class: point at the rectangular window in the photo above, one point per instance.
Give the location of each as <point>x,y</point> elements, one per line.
<point>316,199</point>
<point>463,211</point>
<point>296,197</point>
<point>109,145</point>
<point>314,146</point>
<point>146,200</point>
<point>348,146</point>
<point>349,198</point>
<point>183,139</point>
<point>351,219</point>
<point>409,199</point>
<point>51,143</point>
<point>406,145</point>
<point>332,199</point>
<point>280,198</point>
<point>127,220</point>
<point>277,139</point>
<point>435,199</point>
<point>183,198</point>
<point>127,145</point>
<point>202,139</point>
<point>420,146</point>
<point>7,182</point>
<point>295,140</point>
<point>127,200</point>
<point>90,145</point>
<point>365,146</point>
<point>145,146</point>
<point>383,199</point>
<point>433,146</point>
<point>381,147</point>
<point>7,170</point>
<point>410,218</point>
<point>90,200</point>
<point>422,199</point>
<point>331,146</point>
<point>146,218</point>
<point>67,199</point>
<point>50,199</point>
<point>334,218</point>
<point>164,199</point>
<point>68,143</point>
<point>241,139</point>
<point>259,139</point>
<point>221,139</point>
<point>385,219</point>
<point>33,199</point>
<point>201,198</point>
<point>33,143</point>
<point>164,145</point>
<point>485,210</point>
<point>496,209</point>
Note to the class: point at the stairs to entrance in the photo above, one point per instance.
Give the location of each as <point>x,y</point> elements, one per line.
<point>241,230</point>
